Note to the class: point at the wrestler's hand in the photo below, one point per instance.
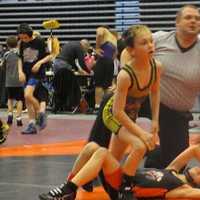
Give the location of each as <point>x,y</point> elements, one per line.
<point>148,140</point>
<point>22,77</point>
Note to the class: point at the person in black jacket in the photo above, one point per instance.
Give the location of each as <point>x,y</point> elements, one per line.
<point>72,56</point>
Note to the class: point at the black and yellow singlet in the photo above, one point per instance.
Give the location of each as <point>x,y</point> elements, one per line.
<point>136,96</point>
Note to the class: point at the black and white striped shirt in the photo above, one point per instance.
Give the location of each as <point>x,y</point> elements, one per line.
<point>180,81</point>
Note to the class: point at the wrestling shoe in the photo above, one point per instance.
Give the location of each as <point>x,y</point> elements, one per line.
<point>30,129</point>
<point>3,132</point>
<point>19,122</point>
<point>2,139</point>
<point>41,120</point>
<point>10,119</point>
<point>59,193</point>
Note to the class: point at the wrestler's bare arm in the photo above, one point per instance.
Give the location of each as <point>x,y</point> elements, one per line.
<point>184,191</point>
<point>180,161</point>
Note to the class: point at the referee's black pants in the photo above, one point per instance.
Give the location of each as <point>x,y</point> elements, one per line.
<point>174,133</point>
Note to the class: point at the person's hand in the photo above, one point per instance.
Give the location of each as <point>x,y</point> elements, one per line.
<point>155,130</point>
<point>99,52</point>
<point>22,77</point>
<point>148,140</point>
<point>36,67</point>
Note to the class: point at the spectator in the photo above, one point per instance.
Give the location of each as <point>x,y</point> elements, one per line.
<point>90,59</point>
<point>71,52</point>
<point>106,47</point>
<point>14,87</point>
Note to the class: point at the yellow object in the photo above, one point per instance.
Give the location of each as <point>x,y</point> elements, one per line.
<point>51,24</point>
<point>53,45</point>
<point>5,129</point>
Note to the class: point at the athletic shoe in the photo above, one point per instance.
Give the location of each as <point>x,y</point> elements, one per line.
<point>2,139</point>
<point>4,129</point>
<point>30,129</point>
<point>19,122</point>
<point>59,193</point>
<point>10,119</point>
<point>41,120</point>
<point>3,132</point>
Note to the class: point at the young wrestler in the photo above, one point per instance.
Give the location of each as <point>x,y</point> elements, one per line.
<point>168,182</point>
<point>139,78</point>
<point>90,157</point>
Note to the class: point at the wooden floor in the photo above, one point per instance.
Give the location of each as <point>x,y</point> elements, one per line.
<point>31,164</point>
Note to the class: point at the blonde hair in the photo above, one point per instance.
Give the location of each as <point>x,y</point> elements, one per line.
<point>134,31</point>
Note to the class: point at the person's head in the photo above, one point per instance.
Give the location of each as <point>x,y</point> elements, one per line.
<point>11,42</point>
<point>85,44</point>
<point>139,41</point>
<point>188,20</point>
<point>193,176</point>
<point>25,32</point>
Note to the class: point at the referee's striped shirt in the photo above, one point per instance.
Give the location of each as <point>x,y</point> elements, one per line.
<point>180,81</point>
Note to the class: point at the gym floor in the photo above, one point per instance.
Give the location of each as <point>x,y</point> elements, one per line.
<point>33,164</point>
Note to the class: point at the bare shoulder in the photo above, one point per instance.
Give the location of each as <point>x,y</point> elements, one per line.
<point>125,57</point>
<point>124,78</point>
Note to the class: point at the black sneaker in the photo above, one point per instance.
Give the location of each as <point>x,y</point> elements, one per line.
<point>19,122</point>
<point>59,193</point>
<point>10,119</point>
<point>30,129</point>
